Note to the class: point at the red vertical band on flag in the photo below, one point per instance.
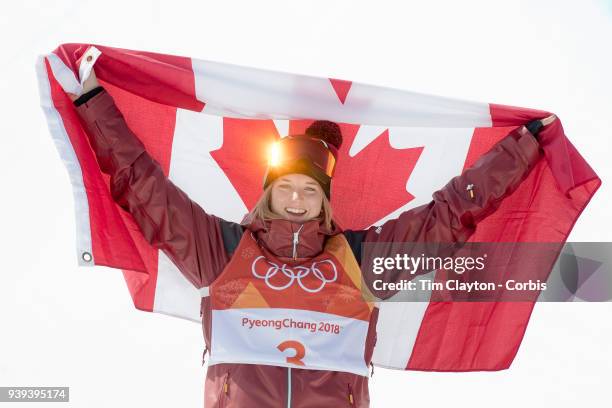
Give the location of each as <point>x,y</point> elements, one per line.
<point>116,240</point>
<point>110,243</point>
<point>154,125</point>
<point>456,336</point>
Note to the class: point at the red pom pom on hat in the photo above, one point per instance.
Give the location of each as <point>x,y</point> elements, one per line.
<point>327,131</point>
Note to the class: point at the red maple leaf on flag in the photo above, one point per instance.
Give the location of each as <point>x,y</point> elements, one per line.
<point>370,185</point>
<point>365,189</point>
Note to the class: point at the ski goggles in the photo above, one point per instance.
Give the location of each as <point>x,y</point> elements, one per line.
<point>290,149</point>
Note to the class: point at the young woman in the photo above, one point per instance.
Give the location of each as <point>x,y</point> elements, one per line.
<point>282,311</point>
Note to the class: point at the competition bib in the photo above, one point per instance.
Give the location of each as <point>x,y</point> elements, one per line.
<point>308,315</point>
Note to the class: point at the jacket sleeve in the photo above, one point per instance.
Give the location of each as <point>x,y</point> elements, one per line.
<point>453,214</point>
<point>168,219</point>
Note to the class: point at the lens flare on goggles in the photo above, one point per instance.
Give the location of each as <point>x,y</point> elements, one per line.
<point>290,149</point>
<point>274,154</point>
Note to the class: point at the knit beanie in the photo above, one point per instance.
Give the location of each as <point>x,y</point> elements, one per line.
<point>313,153</point>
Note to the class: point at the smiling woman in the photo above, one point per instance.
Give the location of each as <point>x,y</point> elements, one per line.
<point>293,262</point>
<point>298,180</point>
<point>295,197</point>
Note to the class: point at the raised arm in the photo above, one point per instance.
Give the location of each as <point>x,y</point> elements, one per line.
<point>168,219</point>
<point>457,208</point>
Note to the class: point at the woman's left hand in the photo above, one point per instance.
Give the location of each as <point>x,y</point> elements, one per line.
<point>535,126</point>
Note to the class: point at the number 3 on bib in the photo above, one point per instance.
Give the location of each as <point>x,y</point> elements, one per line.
<point>300,351</point>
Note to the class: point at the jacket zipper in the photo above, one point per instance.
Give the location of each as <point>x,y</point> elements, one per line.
<point>289,387</point>
<point>296,240</point>
<point>224,390</point>
<point>351,399</point>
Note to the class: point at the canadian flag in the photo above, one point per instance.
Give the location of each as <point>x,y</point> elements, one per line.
<point>209,124</point>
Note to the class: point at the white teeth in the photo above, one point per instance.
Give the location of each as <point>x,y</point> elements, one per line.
<point>295,210</point>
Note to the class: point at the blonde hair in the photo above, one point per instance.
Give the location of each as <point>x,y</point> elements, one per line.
<point>263,209</point>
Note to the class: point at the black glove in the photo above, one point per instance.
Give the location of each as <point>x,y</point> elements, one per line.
<point>87,96</point>
<point>534,128</point>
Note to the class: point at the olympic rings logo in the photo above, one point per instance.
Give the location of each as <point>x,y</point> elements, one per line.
<point>297,273</point>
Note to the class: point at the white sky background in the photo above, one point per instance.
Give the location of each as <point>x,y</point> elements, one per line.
<point>68,326</point>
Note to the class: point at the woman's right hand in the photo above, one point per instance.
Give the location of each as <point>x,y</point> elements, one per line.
<point>90,83</point>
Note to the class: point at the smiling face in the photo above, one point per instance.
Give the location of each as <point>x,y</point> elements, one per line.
<point>296,197</point>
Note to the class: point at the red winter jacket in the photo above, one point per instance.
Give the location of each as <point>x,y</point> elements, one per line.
<point>201,244</point>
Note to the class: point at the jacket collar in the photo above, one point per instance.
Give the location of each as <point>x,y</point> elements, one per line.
<point>290,241</point>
